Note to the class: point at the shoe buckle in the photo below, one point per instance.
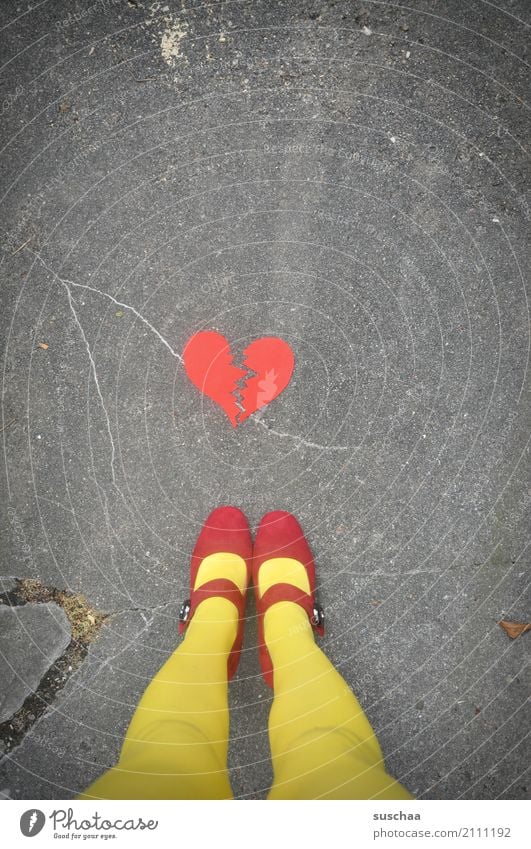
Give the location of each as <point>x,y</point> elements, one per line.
<point>184,612</point>
<point>318,615</point>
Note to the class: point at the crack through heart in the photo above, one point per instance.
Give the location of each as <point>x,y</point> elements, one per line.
<point>266,370</point>
<point>240,386</point>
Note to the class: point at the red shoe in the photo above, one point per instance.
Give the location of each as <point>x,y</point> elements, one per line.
<point>226,529</point>
<point>280,535</point>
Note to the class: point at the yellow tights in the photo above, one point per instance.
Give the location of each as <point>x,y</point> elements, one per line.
<point>322,744</point>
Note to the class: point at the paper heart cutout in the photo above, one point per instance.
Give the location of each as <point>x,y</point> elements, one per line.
<point>240,392</point>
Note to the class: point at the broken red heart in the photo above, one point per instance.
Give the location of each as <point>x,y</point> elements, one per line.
<point>268,365</point>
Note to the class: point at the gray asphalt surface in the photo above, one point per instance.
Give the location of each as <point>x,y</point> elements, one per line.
<point>348,176</point>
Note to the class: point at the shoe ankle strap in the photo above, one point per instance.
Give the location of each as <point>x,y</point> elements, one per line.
<point>216,588</point>
<point>289,592</point>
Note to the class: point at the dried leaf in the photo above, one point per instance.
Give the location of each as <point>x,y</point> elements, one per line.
<point>514,629</point>
<point>42,345</point>
<point>91,618</point>
<point>119,313</point>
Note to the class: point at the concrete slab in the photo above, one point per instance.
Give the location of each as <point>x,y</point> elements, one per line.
<point>81,735</point>
<point>32,637</point>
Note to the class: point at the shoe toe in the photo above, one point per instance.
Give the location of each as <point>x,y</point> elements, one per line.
<point>225,529</point>
<point>280,535</point>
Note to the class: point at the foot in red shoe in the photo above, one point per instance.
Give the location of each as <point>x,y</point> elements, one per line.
<point>227,532</point>
<point>288,574</point>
